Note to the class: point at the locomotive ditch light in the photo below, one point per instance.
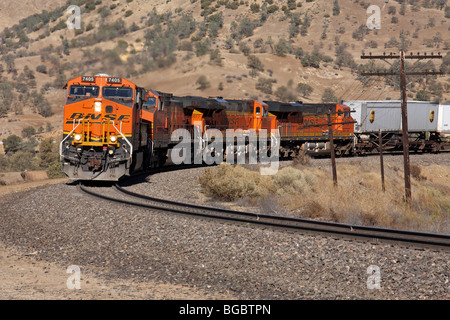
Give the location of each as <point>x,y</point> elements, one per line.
<point>113,139</point>
<point>97,106</point>
<point>77,137</point>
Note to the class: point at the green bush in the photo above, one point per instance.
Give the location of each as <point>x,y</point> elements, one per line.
<point>202,83</point>
<point>304,89</point>
<point>282,48</point>
<point>28,132</point>
<point>329,96</point>
<point>12,144</point>
<point>54,170</point>
<point>22,160</point>
<point>310,60</point>
<point>253,62</point>
<point>264,85</point>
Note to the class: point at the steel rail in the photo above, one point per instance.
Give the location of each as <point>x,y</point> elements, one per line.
<point>405,237</point>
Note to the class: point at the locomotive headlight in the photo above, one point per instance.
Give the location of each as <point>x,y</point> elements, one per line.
<point>77,137</point>
<point>113,139</point>
<point>98,106</point>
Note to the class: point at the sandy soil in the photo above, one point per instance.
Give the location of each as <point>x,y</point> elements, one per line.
<point>24,277</point>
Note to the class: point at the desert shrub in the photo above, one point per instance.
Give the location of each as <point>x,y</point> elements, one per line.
<point>54,170</point>
<point>254,7</point>
<point>253,62</point>
<point>345,59</point>
<point>264,85</point>
<point>228,183</point>
<point>310,60</point>
<point>304,89</point>
<point>28,132</point>
<point>215,57</point>
<point>12,144</point>
<point>329,95</point>
<point>416,172</point>
<point>282,48</point>
<point>422,95</point>
<point>290,180</point>
<point>202,83</point>
<point>231,183</point>
<point>22,160</point>
<point>286,93</point>
<point>201,48</point>
<point>41,69</point>
<point>244,29</point>
<point>272,8</point>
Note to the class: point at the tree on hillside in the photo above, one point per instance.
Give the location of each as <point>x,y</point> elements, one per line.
<point>12,144</point>
<point>253,62</point>
<point>202,82</point>
<point>28,132</point>
<point>264,85</point>
<point>329,96</point>
<point>336,8</point>
<point>48,152</point>
<point>10,64</point>
<point>422,95</point>
<point>304,89</point>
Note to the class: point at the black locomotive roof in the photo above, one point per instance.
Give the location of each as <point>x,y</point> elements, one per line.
<point>201,103</point>
<point>276,106</point>
<point>316,108</point>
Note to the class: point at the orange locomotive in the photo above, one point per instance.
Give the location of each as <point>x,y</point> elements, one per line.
<point>304,128</point>
<point>113,127</point>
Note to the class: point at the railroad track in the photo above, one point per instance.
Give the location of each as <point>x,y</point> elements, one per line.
<point>292,224</point>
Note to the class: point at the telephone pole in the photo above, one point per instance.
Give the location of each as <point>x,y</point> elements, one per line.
<point>404,108</point>
<point>330,137</point>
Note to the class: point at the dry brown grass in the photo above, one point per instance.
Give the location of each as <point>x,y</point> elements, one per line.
<point>305,191</point>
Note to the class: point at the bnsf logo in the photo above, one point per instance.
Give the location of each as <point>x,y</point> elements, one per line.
<point>92,116</point>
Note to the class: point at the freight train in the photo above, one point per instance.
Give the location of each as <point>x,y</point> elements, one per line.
<point>112,127</point>
<point>428,125</point>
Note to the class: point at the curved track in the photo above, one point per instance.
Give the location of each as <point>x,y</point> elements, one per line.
<point>374,234</point>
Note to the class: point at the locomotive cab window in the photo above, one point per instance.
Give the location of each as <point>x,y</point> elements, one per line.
<point>78,93</point>
<point>150,103</point>
<point>258,110</point>
<point>122,95</point>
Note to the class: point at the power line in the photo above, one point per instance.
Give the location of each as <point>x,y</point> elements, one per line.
<point>402,73</point>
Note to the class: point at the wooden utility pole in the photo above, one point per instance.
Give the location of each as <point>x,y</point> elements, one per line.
<point>405,140</point>
<point>380,146</point>
<point>403,74</point>
<point>330,125</point>
<point>330,136</point>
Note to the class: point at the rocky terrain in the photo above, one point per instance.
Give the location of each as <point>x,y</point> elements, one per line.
<point>140,254</point>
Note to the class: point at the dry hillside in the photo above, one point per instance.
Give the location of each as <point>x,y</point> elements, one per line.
<point>254,48</point>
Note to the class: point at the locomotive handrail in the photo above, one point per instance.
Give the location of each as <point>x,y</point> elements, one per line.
<point>120,132</point>
<point>61,143</point>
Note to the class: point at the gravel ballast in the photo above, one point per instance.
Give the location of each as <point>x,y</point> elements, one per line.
<point>117,241</point>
